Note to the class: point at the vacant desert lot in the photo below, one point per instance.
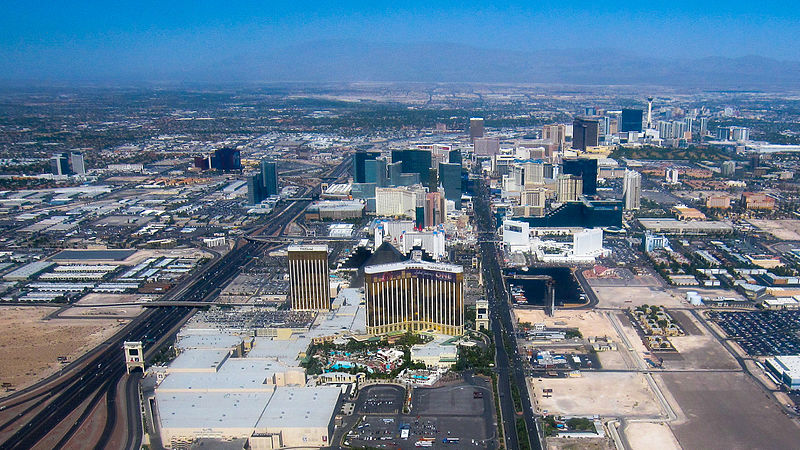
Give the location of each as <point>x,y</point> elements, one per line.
<point>603,394</point>
<point>650,436</point>
<point>783,229</point>
<point>728,411</point>
<point>633,296</point>
<point>590,323</point>
<point>30,346</point>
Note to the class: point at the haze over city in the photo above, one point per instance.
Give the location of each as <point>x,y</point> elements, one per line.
<point>352,41</point>
<point>399,225</point>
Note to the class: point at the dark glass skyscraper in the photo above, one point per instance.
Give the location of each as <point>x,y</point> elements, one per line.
<point>450,179</point>
<point>585,133</point>
<point>269,177</point>
<point>589,214</point>
<point>475,128</point>
<point>586,168</point>
<point>59,164</point>
<point>414,161</point>
<point>631,120</point>
<point>255,189</point>
<point>226,159</point>
<point>359,168</point>
<point>454,157</point>
<point>375,172</point>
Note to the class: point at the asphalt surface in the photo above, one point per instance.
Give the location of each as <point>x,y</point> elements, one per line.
<point>509,367</point>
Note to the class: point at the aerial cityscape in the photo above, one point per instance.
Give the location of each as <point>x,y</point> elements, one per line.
<point>396,258</point>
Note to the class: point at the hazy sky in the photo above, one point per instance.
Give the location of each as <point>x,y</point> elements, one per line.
<point>58,39</point>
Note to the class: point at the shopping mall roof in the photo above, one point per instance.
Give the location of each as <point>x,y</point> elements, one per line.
<point>303,407</point>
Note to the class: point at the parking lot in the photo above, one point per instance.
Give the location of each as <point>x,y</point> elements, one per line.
<point>381,400</point>
<point>762,333</point>
<point>454,416</point>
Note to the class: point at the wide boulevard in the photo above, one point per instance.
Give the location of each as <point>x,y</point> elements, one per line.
<point>509,364</point>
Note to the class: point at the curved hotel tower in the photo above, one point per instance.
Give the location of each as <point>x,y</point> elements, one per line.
<point>414,296</point>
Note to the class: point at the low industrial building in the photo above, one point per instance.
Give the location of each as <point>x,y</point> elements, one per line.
<point>335,210</point>
<point>28,271</point>
<point>674,226</point>
<point>440,353</point>
<point>227,384</point>
<point>786,369</point>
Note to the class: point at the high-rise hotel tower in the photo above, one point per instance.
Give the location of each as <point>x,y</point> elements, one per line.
<point>414,296</point>
<point>309,277</point>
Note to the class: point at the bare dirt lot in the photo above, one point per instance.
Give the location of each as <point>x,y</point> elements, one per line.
<point>728,411</point>
<point>84,307</point>
<point>632,296</point>
<point>650,436</point>
<point>620,276</point>
<point>30,346</point>
<point>590,323</point>
<point>783,229</point>
<point>580,444</point>
<point>600,393</point>
<point>698,350</point>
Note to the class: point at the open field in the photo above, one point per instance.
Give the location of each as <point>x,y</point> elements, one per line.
<point>620,276</point>
<point>122,312</point>
<point>613,359</point>
<point>99,299</point>
<point>698,349</point>
<point>783,229</point>
<point>649,436</point>
<point>85,309</point>
<point>30,346</point>
<point>600,393</point>
<point>580,444</point>
<point>728,411</point>
<point>630,297</point>
<point>590,323</point>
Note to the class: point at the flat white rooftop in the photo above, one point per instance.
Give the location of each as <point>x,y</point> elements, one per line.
<point>346,315</point>
<point>286,351</point>
<point>790,364</point>
<point>208,341</point>
<point>302,407</point>
<point>211,410</point>
<point>196,360</point>
<point>236,375</point>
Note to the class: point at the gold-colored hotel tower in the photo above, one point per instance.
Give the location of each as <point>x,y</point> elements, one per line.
<point>309,277</point>
<point>414,296</point>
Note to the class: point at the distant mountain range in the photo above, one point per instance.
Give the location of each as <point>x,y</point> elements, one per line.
<point>323,61</point>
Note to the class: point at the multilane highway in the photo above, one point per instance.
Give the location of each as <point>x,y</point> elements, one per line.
<point>95,376</point>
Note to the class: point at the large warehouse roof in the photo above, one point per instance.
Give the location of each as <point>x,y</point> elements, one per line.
<point>300,407</point>
<point>211,410</point>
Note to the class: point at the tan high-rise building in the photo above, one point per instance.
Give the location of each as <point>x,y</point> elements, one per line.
<point>721,201</point>
<point>533,197</point>
<point>533,173</point>
<point>309,277</point>
<point>414,296</point>
<point>555,134</point>
<point>569,188</point>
